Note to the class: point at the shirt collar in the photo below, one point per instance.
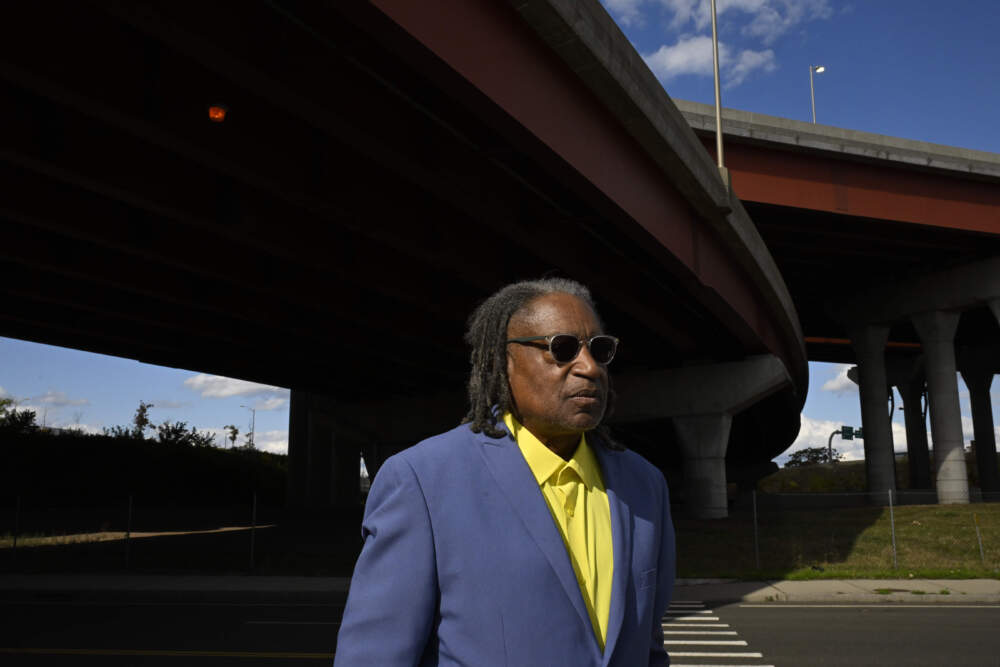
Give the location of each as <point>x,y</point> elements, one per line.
<point>545,463</point>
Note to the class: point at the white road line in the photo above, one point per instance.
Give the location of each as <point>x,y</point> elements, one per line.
<point>683,654</point>
<point>292,622</point>
<point>693,625</point>
<point>690,611</point>
<point>705,642</point>
<point>699,632</point>
<point>697,618</point>
<point>900,605</point>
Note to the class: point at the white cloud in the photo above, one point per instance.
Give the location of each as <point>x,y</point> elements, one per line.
<point>4,393</point>
<point>816,433</point>
<point>840,383</point>
<point>699,11</point>
<point>275,442</point>
<point>693,55</point>
<point>747,62</point>
<point>626,12</point>
<point>59,399</point>
<point>217,386</point>
<point>776,17</point>
<point>273,403</point>
<point>766,19</point>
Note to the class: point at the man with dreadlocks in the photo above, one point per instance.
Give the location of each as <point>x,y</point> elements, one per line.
<point>525,536</point>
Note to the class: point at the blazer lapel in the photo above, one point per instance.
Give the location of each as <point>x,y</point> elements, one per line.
<point>621,539</point>
<point>514,477</point>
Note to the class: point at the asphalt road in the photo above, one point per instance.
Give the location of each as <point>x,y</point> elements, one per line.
<point>910,635</point>
<point>239,629</point>
<point>156,629</point>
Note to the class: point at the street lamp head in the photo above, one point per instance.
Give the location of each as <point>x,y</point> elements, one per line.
<point>819,69</point>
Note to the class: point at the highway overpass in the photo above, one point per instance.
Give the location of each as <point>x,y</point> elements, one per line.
<point>381,168</point>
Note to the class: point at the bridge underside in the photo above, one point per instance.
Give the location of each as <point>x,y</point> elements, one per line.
<point>829,257</point>
<point>891,250</point>
<point>332,234</point>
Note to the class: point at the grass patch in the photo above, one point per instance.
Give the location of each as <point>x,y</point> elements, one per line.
<point>933,542</point>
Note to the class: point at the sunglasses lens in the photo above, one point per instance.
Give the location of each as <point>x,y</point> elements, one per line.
<point>602,349</point>
<point>564,348</point>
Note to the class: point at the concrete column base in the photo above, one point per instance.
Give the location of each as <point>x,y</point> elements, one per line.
<point>704,439</point>
<point>873,386</point>
<point>937,332</point>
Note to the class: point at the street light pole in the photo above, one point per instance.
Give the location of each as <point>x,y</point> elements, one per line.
<point>253,422</point>
<point>718,103</point>
<point>818,69</point>
<point>829,446</point>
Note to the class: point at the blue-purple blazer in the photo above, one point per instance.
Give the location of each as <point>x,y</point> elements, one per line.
<point>464,565</point>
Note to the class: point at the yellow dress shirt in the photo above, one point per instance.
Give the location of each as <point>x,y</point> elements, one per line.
<point>574,491</point>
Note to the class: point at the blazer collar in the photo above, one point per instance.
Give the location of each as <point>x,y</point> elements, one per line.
<point>512,474</point>
<point>514,477</point>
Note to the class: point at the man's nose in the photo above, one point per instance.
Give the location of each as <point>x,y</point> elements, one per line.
<point>585,366</point>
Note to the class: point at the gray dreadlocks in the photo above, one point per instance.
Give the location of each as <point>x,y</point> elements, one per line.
<point>486,334</point>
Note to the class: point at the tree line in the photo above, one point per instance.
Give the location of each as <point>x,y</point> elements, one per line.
<point>14,420</point>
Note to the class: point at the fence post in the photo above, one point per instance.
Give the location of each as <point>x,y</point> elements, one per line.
<point>128,532</point>
<point>253,527</point>
<point>892,523</point>
<point>17,524</point>
<point>979,538</point>
<point>756,539</point>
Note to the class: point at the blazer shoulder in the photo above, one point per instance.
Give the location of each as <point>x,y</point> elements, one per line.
<point>452,446</point>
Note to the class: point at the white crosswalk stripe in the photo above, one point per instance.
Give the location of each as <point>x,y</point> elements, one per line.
<point>694,642</point>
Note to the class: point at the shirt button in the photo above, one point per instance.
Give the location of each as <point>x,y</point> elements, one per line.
<point>569,510</point>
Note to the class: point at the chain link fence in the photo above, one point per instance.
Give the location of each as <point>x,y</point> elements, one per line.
<point>843,535</point>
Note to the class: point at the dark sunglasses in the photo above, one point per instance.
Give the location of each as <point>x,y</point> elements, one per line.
<point>565,347</point>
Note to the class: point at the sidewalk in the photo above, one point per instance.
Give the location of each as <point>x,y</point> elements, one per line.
<point>923,591</point>
<point>832,591</point>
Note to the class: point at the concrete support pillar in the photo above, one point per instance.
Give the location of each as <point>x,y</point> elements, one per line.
<point>937,333</point>
<point>979,382</point>
<point>701,400</point>
<point>916,433</point>
<point>873,386</point>
<point>704,439</point>
<point>323,469</point>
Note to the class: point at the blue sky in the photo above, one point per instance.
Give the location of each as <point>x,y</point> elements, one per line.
<point>904,68</point>
<point>910,69</point>
<point>70,388</point>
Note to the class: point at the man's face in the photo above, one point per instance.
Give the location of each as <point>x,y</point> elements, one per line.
<point>556,402</point>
